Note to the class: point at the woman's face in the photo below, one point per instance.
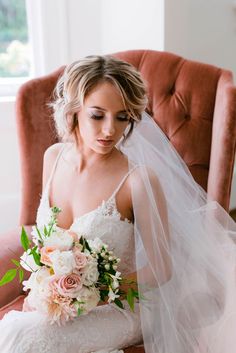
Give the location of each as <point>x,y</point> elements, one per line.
<point>102,119</point>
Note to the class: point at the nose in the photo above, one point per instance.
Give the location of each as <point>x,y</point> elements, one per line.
<point>108,127</point>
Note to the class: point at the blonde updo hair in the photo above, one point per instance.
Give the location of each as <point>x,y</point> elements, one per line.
<point>80,77</point>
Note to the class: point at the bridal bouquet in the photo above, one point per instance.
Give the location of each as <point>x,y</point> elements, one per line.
<point>69,273</point>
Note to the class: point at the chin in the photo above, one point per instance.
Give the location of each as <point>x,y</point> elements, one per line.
<point>103,151</point>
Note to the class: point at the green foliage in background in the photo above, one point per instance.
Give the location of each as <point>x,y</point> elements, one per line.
<point>14,50</point>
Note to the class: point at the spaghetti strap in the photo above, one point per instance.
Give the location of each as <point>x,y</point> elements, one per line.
<point>122,181</point>
<point>54,166</point>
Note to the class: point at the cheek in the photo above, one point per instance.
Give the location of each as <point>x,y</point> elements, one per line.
<point>87,129</point>
<point>122,129</point>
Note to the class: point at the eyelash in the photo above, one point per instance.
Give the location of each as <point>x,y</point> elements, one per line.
<point>99,117</point>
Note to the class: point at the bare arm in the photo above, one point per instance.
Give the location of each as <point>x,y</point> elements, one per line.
<point>151,218</point>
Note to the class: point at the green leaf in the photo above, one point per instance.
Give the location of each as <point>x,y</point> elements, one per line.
<point>8,277</point>
<point>119,303</point>
<point>36,255</point>
<point>39,234</point>
<point>130,298</point>
<point>15,262</point>
<point>84,243</point>
<point>24,239</point>
<point>50,229</point>
<point>55,210</point>
<point>103,294</point>
<point>45,230</point>
<point>21,275</point>
<point>79,311</point>
<point>135,293</point>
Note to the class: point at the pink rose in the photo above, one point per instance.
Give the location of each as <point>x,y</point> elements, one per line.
<point>45,252</point>
<point>80,259</point>
<point>68,286</point>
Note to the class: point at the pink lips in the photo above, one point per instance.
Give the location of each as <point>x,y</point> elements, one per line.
<point>105,143</point>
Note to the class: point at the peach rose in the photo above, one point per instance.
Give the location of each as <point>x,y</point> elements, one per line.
<point>68,286</point>
<point>60,309</point>
<point>45,252</point>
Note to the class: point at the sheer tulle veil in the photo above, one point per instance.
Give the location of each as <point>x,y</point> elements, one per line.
<point>185,251</point>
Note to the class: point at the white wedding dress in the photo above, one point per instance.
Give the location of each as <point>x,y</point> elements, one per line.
<point>106,328</point>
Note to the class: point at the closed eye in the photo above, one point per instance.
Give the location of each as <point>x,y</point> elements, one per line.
<point>123,118</point>
<point>99,117</point>
<point>96,117</point>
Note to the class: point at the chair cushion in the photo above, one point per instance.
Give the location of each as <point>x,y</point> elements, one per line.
<point>15,304</point>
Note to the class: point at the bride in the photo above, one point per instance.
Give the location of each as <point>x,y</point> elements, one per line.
<point>116,176</point>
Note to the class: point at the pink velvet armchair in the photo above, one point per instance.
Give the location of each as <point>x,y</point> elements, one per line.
<point>193,103</point>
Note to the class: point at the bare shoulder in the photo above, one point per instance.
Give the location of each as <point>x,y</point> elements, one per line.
<point>143,172</point>
<point>143,179</point>
<point>49,159</point>
<point>52,151</point>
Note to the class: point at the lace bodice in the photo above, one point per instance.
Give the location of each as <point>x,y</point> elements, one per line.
<point>104,222</point>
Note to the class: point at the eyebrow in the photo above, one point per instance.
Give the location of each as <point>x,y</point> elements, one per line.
<point>100,108</point>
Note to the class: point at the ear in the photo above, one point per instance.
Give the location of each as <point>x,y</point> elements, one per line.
<point>72,121</point>
<point>75,120</point>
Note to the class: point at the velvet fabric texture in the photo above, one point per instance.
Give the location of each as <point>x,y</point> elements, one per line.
<point>193,103</point>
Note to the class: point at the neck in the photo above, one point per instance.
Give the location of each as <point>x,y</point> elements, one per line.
<point>87,158</point>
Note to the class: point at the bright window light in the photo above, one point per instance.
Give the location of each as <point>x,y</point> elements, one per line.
<point>15,58</point>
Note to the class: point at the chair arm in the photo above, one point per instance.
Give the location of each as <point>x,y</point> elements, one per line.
<point>135,349</point>
<point>223,143</point>
<point>10,248</point>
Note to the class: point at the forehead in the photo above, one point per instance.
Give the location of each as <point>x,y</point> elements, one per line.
<point>105,95</point>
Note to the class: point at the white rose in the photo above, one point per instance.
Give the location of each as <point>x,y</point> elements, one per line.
<point>38,301</point>
<point>30,283</point>
<point>62,240</point>
<point>36,279</point>
<point>90,297</point>
<point>63,262</point>
<point>90,272</point>
<point>28,263</point>
<point>38,283</point>
<point>95,244</point>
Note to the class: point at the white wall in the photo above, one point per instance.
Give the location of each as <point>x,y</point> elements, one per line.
<point>202,30</point>
<point>9,170</point>
<point>84,28</point>
<point>129,24</point>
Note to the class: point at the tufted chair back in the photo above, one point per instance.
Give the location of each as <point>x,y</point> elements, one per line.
<point>193,103</point>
